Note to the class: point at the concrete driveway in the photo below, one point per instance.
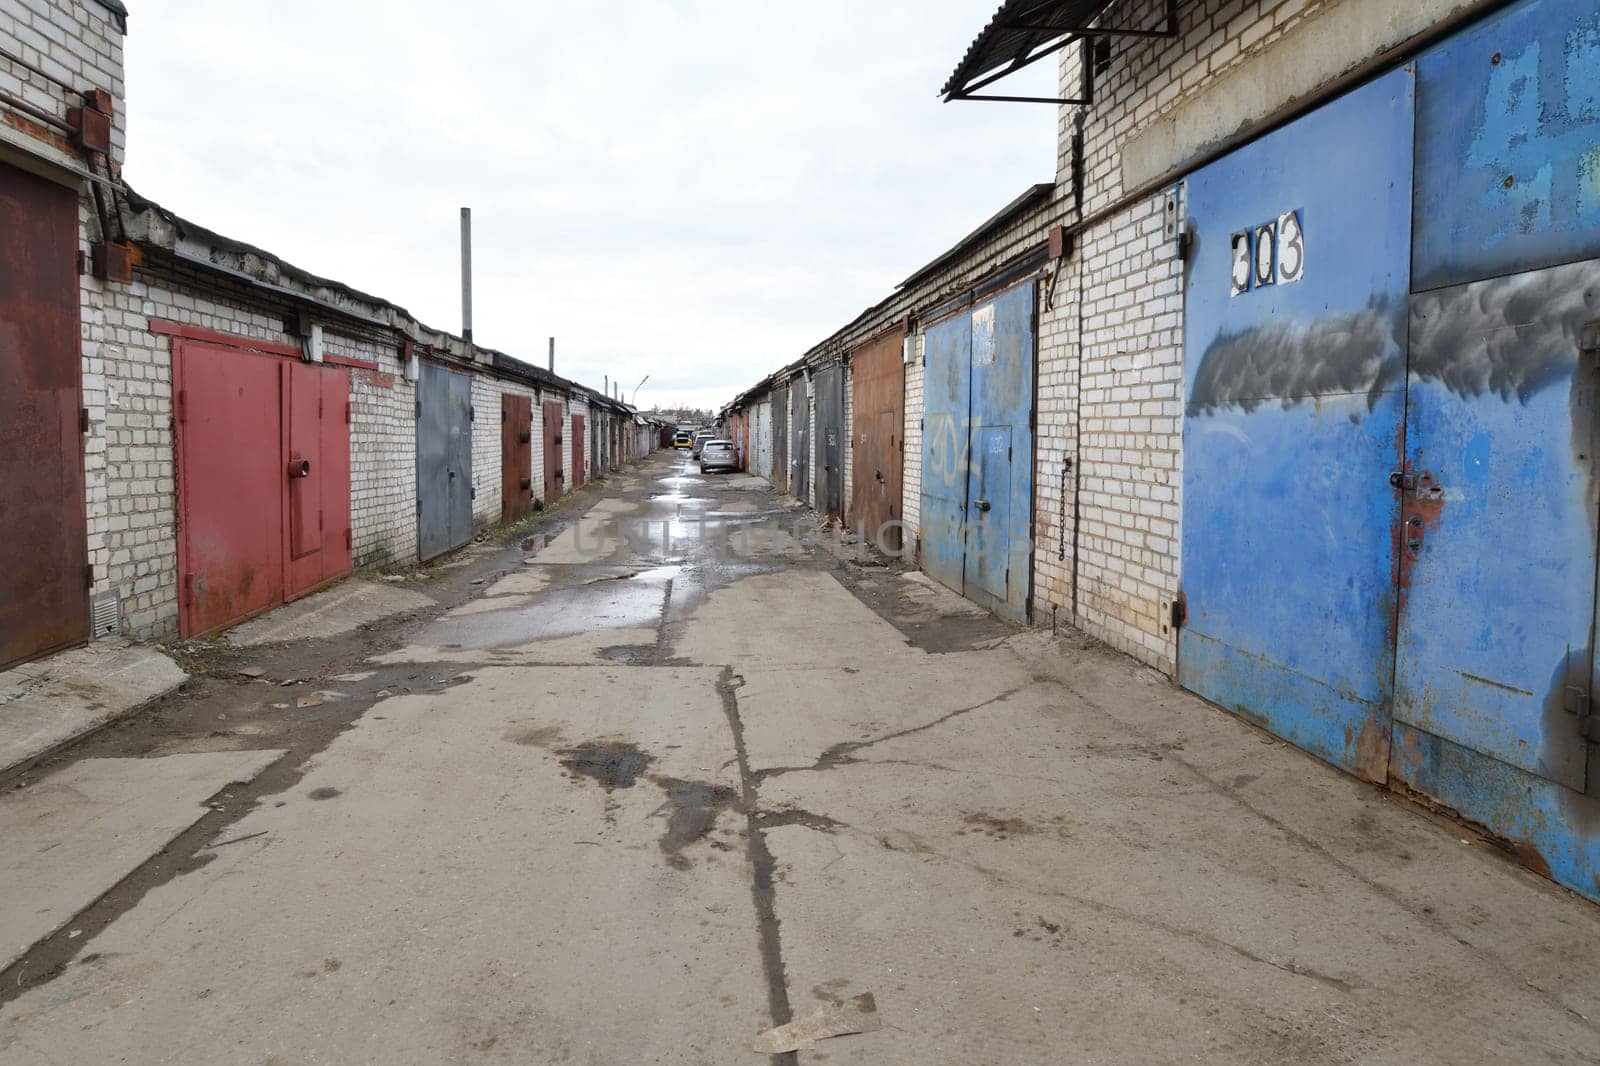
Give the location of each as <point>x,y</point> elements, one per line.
<point>687,771</point>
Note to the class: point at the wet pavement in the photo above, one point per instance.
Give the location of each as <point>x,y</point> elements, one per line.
<point>668,766</point>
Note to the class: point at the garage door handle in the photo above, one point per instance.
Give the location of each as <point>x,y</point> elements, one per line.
<point>983,505</point>
<point>299,468</point>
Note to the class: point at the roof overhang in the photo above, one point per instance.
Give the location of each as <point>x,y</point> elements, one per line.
<point>1023,32</point>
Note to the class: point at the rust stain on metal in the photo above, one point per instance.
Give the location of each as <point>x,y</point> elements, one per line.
<point>37,131</point>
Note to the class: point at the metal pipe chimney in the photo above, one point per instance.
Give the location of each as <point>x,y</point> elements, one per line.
<point>466,274</point>
<point>552,355</point>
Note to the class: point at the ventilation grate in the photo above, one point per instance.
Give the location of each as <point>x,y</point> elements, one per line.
<point>105,614</point>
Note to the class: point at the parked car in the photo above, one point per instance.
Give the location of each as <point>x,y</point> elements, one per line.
<point>718,455</point>
<point>683,439</point>
<point>700,439</point>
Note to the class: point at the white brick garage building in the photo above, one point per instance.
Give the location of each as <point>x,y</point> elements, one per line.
<point>1297,237</point>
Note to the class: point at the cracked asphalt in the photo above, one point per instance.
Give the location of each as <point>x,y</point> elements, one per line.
<point>680,767</point>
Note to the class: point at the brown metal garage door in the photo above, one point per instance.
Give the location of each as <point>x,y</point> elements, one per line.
<point>878,424</point>
<point>44,600</point>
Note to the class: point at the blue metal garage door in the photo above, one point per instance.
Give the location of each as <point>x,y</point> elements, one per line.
<point>946,410</point>
<point>977,452</point>
<point>1494,675</point>
<point>1295,319</point>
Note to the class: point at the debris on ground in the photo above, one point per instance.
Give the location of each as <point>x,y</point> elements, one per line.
<point>252,672</point>
<point>856,1015</point>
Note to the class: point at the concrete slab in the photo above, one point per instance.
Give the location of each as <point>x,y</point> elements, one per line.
<point>45,704</point>
<point>441,888</point>
<point>792,618</point>
<point>329,613</point>
<point>73,835</point>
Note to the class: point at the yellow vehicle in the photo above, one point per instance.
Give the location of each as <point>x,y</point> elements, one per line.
<point>683,439</point>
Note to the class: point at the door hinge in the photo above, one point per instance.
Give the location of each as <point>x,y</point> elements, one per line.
<point>349,540</point>
<point>88,576</point>
<point>83,420</point>
<point>419,409</point>
<point>319,407</point>
<point>472,413</point>
<point>1180,611</point>
<point>1008,454</point>
<point>472,492</point>
<point>419,504</point>
<point>180,406</point>
<point>188,588</point>
<point>347,414</point>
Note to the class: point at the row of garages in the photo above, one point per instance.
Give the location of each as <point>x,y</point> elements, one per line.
<point>197,431</point>
<point>1288,393</point>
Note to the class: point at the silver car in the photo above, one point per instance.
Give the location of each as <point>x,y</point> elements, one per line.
<point>718,455</point>
<point>700,438</point>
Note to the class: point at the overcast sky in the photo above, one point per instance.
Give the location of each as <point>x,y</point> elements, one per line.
<point>698,191</point>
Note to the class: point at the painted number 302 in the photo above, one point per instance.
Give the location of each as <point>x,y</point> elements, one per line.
<point>1273,253</point>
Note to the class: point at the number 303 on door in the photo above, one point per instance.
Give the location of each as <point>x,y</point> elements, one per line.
<point>1273,253</point>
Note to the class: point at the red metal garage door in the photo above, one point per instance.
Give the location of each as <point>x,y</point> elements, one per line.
<point>516,457</point>
<point>44,604</point>
<point>230,483</point>
<point>317,414</point>
<point>553,479</point>
<point>263,480</point>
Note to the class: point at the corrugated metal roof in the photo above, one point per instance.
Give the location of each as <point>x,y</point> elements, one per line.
<point>1017,29</point>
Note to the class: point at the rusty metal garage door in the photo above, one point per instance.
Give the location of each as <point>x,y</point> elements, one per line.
<point>44,599</point>
<point>877,418</point>
<point>554,479</point>
<point>444,460</point>
<point>516,456</point>
<point>829,381</point>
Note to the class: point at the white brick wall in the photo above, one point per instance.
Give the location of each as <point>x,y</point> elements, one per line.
<point>130,464</point>
<point>77,45</point>
<point>911,485</point>
<point>488,450</point>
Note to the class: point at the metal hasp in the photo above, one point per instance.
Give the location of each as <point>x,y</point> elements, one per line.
<point>878,412</point>
<point>554,482</point>
<point>829,384</point>
<point>1023,32</point>
<point>977,451</point>
<point>44,604</point>
<point>263,453</point>
<point>780,439</point>
<point>1294,396</point>
<point>799,439</point>
<point>516,456</point>
<point>444,460</point>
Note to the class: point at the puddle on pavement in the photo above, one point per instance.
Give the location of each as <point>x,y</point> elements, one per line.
<point>692,808</point>
<point>612,764</point>
<point>625,600</point>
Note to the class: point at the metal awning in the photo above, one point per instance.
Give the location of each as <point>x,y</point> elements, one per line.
<point>1023,32</point>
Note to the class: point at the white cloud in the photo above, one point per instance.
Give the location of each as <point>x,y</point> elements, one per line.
<point>695,190</point>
